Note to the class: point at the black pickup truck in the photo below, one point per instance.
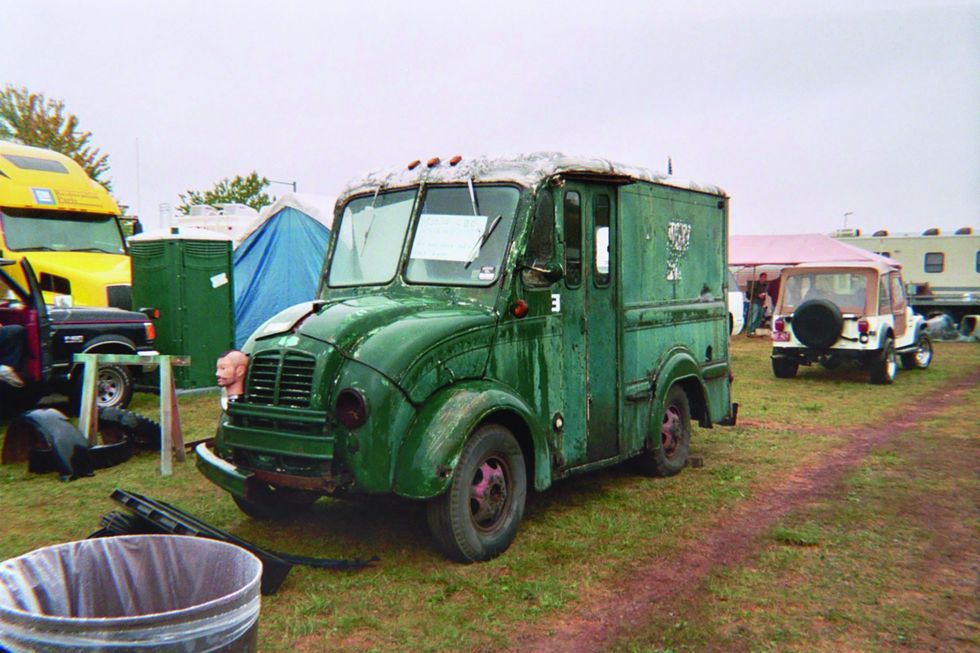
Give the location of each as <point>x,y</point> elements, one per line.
<point>55,334</point>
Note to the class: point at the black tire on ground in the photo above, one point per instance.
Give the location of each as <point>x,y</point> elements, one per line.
<point>884,365</point>
<point>114,387</point>
<point>477,517</point>
<point>921,357</point>
<point>784,368</point>
<point>674,436</point>
<point>267,503</point>
<point>817,323</point>
<point>142,431</point>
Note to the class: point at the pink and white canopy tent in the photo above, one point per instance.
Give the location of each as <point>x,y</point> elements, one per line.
<point>783,250</point>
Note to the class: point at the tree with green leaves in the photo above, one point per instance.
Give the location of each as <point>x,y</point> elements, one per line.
<point>31,119</point>
<point>247,190</point>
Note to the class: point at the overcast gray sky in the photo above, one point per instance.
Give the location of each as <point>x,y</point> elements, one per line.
<point>802,113</point>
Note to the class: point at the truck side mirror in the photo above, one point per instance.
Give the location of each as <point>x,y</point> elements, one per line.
<point>535,271</point>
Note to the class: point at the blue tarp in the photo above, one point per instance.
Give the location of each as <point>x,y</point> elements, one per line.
<point>276,266</point>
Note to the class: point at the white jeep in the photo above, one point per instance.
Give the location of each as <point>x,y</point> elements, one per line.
<point>834,312</point>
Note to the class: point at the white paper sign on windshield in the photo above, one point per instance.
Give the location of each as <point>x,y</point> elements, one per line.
<point>442,237</point>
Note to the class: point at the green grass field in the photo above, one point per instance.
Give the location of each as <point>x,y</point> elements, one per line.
<point>862,568</point>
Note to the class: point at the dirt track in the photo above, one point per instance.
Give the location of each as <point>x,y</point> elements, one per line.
<point>733,538</point>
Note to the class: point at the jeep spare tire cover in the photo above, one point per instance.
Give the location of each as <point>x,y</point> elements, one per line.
<point>817,323</point>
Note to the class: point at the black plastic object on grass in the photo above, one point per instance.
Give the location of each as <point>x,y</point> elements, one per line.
<point>168,519</point>
<point>50,443</point>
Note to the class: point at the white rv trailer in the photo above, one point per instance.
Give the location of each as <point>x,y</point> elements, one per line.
<point>942,270</point>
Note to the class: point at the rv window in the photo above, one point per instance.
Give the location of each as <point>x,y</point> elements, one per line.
<point>573,238</point>
<point>978,260</point>
<point>600,239</point>
<point>935,261</point>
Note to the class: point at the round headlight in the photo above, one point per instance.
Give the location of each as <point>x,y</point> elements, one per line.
<point>351,408</point>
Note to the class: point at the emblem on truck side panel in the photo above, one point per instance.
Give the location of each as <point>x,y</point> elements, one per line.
<point>679,239</point>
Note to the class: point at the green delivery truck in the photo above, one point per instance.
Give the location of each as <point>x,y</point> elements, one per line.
<point>483,327</point>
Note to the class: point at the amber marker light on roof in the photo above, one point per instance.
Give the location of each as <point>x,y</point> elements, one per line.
<point>434,161</point>
<point>456,159</point>
<point>414,164</point>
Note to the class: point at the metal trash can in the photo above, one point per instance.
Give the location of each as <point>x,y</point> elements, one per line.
<point>164,593</point>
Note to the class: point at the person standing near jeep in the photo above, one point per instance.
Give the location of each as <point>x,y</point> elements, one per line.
<point>757,305</point>
<point>11,354</point>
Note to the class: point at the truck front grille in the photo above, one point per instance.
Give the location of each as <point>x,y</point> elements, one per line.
<point>281,379</point>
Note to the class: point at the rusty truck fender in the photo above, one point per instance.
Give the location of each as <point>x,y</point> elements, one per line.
<point>430,452</point>
<point>678,365</point>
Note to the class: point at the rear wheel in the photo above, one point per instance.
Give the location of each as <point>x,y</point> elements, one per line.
<point>784,368</point>
<point>884,365</point>
<point>675,436</point>
<point>921,357</point>
<point>265,502</point>
<point>477,517</point>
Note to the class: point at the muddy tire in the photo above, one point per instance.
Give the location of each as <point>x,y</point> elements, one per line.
<point>674,436</point>
<point>884,364</point>
<point>784,368</point>
<point>267,503</point>
<point>477,517</point>
<point>921,357</point>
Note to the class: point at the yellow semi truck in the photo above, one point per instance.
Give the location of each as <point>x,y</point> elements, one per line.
<point>66,224</point>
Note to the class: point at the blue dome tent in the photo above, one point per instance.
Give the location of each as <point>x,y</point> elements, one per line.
<point>278,259</point>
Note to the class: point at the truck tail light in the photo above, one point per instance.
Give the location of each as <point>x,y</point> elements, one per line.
<point>519,309</point>
<point>351,408</point>
<point>864,326</point>
<point>151,331</point>
<point>779,325</point>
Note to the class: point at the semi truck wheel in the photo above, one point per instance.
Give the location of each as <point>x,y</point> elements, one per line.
<point>477,517</point>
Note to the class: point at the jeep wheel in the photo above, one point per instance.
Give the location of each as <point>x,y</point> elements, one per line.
<point>920,358</point>
<point>884,364</point>
<point>267,503</point>
<point>477,517</point>
<point>817,323</point>
<point>675,436</point>
<point>784,368</point>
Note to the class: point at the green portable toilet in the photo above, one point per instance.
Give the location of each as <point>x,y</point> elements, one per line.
<point>185,274</point>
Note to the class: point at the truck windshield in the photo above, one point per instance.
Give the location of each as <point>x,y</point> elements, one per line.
<point>61,231</point>
<point>370,237</point>
<point>461,236</point>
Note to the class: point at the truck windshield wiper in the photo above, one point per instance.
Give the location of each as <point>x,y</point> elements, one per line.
<point>91,249</point>
<point>483,241</point>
